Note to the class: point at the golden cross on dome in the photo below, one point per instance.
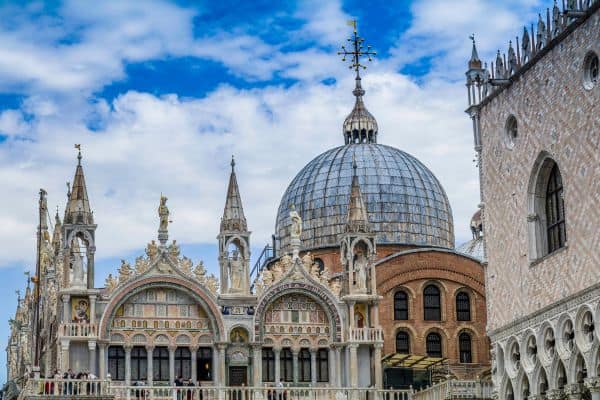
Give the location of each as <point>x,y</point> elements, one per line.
<point>357,50</point>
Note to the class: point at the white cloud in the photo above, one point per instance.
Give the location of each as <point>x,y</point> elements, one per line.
<point>181,147</point>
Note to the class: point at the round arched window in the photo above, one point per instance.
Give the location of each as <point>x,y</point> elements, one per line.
<point>511,131</point>
<point>591,68</point>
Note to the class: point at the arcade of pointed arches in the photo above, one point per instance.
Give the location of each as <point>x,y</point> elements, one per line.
<point>560,355</point>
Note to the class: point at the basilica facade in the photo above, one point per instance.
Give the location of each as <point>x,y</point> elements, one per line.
<point>363,287</point>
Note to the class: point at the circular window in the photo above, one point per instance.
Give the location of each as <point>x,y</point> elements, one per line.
<point>590,70</point>
<point>512,131</point>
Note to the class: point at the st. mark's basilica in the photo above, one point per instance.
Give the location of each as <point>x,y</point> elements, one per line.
<point>363,286</point>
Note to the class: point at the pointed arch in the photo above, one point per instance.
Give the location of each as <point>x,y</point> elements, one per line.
<point>546,208</point>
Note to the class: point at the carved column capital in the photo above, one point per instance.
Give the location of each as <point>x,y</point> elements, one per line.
<point>66,298</point>
<point>149,348</point>
<point>172,347</point>
<point>127,347</point>
<point>574,390</point>
<point>593,384</point>
<point>555,394</point>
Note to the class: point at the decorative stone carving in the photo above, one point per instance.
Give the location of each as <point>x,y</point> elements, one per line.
<point>185,265</point>
<point>152,250</point>
<point>200,272</point>
<point>174,250</point>
<point>141,265</point>
<point>110,283</point>
<point>212,284</point>
<point>336,287</point>
<point>125,272</point>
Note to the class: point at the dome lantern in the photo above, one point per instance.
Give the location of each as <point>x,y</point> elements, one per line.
<point>359,126</point>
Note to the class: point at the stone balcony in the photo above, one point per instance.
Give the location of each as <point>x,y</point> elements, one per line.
<point>365,335</point>
<point>78,330</point>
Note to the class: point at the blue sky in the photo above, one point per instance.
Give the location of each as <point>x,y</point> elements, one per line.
<point>160,94</point>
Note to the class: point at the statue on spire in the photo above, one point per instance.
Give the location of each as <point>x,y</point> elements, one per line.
<point>163,214</point>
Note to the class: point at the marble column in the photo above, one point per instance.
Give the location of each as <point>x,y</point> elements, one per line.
<point>222,371</point>
<point>215,366</point>
<point>66,308</point>
<point>93,310</point>
<point>257,364</point>
<point>92,357</point>
<point>375,315</point>
<point>149,367</point>
<point>64,347</point>
<point>295,371</point>
<point>351,313</point>
<point>338,365</point>
<point>277,354</point>
<point>313,367</point>
<point>332,367</point>
<point>127,364</point>
<point>102,360</point>
<point>194,369</point>
<point>172,364</point>
<point>377,364</point>
<point>90,266</point>
<point>353,365</point>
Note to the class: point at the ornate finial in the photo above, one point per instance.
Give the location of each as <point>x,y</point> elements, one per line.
<point>356,52</point>
<point>360,126</point>
<point>78,147</point>
<point>232,163</point>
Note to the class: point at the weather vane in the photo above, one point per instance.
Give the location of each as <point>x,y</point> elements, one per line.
<point>357,51</point>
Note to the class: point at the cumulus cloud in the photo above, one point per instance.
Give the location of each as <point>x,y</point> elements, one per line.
<point>142,144</point>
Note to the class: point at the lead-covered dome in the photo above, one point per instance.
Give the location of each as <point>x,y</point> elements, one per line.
<point>405,201</point>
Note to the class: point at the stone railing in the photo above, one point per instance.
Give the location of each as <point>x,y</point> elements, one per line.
<point>366,335</point>
<point>77,329</point>
<point>455,389</point>
<point>59,388</point>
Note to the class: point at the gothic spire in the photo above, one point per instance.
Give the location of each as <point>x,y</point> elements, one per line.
<point>474,62</point>
<point>56,234</point>
<point>358,218</point>
<point>360,126</point>
<point>78,209</point>
<point>233,215</point>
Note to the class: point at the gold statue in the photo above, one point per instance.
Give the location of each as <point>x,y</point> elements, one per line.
<point>163,213</point>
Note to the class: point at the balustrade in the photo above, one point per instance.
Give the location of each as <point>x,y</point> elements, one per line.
<point>67,388</point>
<point>78,329</point>
<point>365,335</point>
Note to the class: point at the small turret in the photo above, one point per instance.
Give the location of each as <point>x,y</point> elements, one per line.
<point>234,243</point>
<point>78,230</point>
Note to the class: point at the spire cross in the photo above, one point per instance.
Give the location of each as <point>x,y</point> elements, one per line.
<point>357,51</point>
<point>78,147</point>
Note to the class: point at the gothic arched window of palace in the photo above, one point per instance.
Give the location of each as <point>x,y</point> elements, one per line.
<point>555,211</point>
<point>401,305</point>
<point>546,219</point>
